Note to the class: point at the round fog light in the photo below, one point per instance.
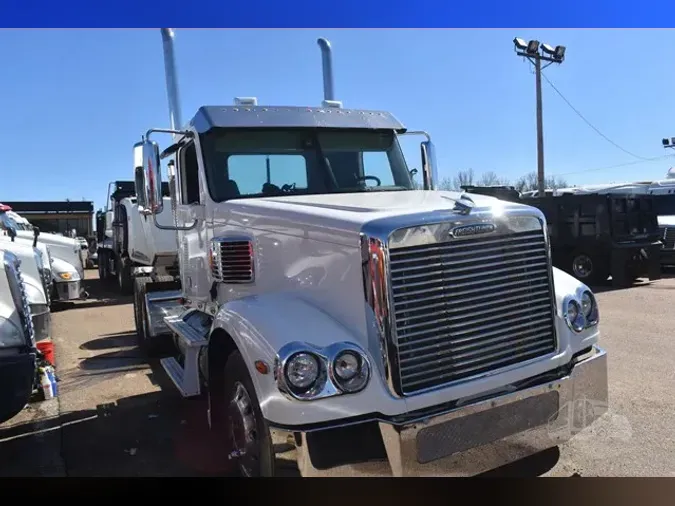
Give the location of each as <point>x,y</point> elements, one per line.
<point>302,371</point>
<point>351,371</point>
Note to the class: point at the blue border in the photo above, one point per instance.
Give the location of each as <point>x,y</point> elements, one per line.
<point>340,14</point>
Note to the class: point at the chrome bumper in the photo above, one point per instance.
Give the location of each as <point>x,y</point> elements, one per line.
<point>68,290</point>
<point>488,434</point>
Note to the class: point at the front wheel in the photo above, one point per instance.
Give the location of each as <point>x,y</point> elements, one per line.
<point>251,442</point>
<point>124,279</point>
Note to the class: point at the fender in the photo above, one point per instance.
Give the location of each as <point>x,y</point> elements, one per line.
<point>261,325</point>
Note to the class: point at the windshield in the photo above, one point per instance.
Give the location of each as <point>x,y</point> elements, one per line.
<point>262,163</point>
<point>7,222</point>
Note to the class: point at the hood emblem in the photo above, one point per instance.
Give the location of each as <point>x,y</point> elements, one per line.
<point>475,229</point>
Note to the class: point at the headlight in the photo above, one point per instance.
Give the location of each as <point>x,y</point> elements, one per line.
<point>10,334</point>
<point>574,316</point>
<point>580,314</point>
<point>307,373</point>
<point>350,371</point>
<point>302,371</point>
<point>589,307</point>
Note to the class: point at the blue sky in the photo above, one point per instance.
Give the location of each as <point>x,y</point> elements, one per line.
<point>74,101</point>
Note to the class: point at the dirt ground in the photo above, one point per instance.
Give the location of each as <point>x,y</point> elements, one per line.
<point>116,415</point>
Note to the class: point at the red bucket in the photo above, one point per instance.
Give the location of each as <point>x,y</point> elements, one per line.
<point>47,349</point>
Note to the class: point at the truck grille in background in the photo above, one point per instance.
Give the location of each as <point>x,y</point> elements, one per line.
<point>668,236</point>
<point>232,261</point>
<point>469,307</point>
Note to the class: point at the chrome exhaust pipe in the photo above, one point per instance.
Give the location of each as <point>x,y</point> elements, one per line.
<point>327,63</point>
<point>175,119</point>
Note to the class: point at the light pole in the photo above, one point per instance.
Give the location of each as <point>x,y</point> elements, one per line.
<point>668,143</point>
<point>535,53</point>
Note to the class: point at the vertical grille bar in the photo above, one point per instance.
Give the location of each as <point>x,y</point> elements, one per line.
<point>232,260</point>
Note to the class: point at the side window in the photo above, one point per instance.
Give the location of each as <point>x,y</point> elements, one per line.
<point>189,172</point>
<point>248,173</point>
<point>376,164</point>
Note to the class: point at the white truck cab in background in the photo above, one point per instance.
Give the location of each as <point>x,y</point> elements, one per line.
<point>67,267</point>
<point>321,295</point>
<point>17,344</point>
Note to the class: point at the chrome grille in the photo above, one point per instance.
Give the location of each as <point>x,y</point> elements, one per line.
<point>668,236</point>
<point>232,260</point>
<point>18,289</point>
<point>469,306</point>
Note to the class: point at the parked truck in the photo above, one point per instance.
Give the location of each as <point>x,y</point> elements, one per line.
<point>130,243</point>
<point>17,343</point>
<point>321,298</point>
<point>596,234</point>
<point>66,260</point>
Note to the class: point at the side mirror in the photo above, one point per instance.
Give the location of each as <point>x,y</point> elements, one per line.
<point>429,170</point>
<point>11,232</point>
<point>36,233</point>
<point>152,176</point>
<point>139,177</point>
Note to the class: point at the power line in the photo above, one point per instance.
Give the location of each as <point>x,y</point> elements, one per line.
<point>642,158</point>
<point>626,164</point>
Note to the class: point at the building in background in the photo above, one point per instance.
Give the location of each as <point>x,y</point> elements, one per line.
<point>58,216</point>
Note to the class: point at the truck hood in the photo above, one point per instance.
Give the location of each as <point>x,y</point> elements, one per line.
<point>63,248</point>
<point>340,217</point>
<point>35,292</point>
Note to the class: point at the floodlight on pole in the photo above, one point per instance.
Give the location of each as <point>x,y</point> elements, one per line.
<point>668,143</point>
<point>537,52</point>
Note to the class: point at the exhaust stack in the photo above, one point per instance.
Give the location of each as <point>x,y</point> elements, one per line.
<point>171,79</point>
<point>327,63</point>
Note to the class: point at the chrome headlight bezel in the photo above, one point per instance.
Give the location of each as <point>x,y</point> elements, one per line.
<point>327,384</point>
<point>581,321</point>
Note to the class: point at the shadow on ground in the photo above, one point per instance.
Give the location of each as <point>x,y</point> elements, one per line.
<point>152,434</point>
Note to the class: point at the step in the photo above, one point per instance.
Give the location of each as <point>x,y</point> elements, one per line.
<point>191,337</point>
<point>187,384</point>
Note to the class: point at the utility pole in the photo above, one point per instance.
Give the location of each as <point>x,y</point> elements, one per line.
<point>531,51</point>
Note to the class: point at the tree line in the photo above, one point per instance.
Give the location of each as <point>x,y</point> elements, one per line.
<point>490,178</point>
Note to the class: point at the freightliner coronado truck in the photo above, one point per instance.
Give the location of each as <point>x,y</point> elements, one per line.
<point>67,266</point>
<point>323,299</point>
<point>17,343</point>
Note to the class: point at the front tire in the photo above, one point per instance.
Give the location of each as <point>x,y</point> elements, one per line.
<point>245,427</point>
<point>124,279</point>
<point>151,347</point>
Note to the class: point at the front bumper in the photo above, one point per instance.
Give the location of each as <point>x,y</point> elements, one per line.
<point>68,290</point>
<point>42,323</point>
<point>488,434</point>
<point>17,375</point>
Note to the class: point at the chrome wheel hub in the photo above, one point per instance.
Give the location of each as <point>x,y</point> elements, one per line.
<point>244,432</point>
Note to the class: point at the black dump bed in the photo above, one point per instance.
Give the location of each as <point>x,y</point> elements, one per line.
<point>615,218</point>
<point>124,189</point>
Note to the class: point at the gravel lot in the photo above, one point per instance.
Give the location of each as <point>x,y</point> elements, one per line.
<point>117,416</point>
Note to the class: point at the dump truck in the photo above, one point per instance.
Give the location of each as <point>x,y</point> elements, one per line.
<point>323,300</point>
<point>130,244</point>
<point>596,234</point>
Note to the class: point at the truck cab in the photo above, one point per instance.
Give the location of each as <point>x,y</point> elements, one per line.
<point>65,254</point>
<point>17,343</point>
<point>322,296</point>
<point>131,242</point>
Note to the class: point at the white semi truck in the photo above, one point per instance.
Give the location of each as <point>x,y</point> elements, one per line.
<point>321,297</point>
<point>36,283</point>
<point>131,243</point>
<point>17,343</point>
<point>67,268</point>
